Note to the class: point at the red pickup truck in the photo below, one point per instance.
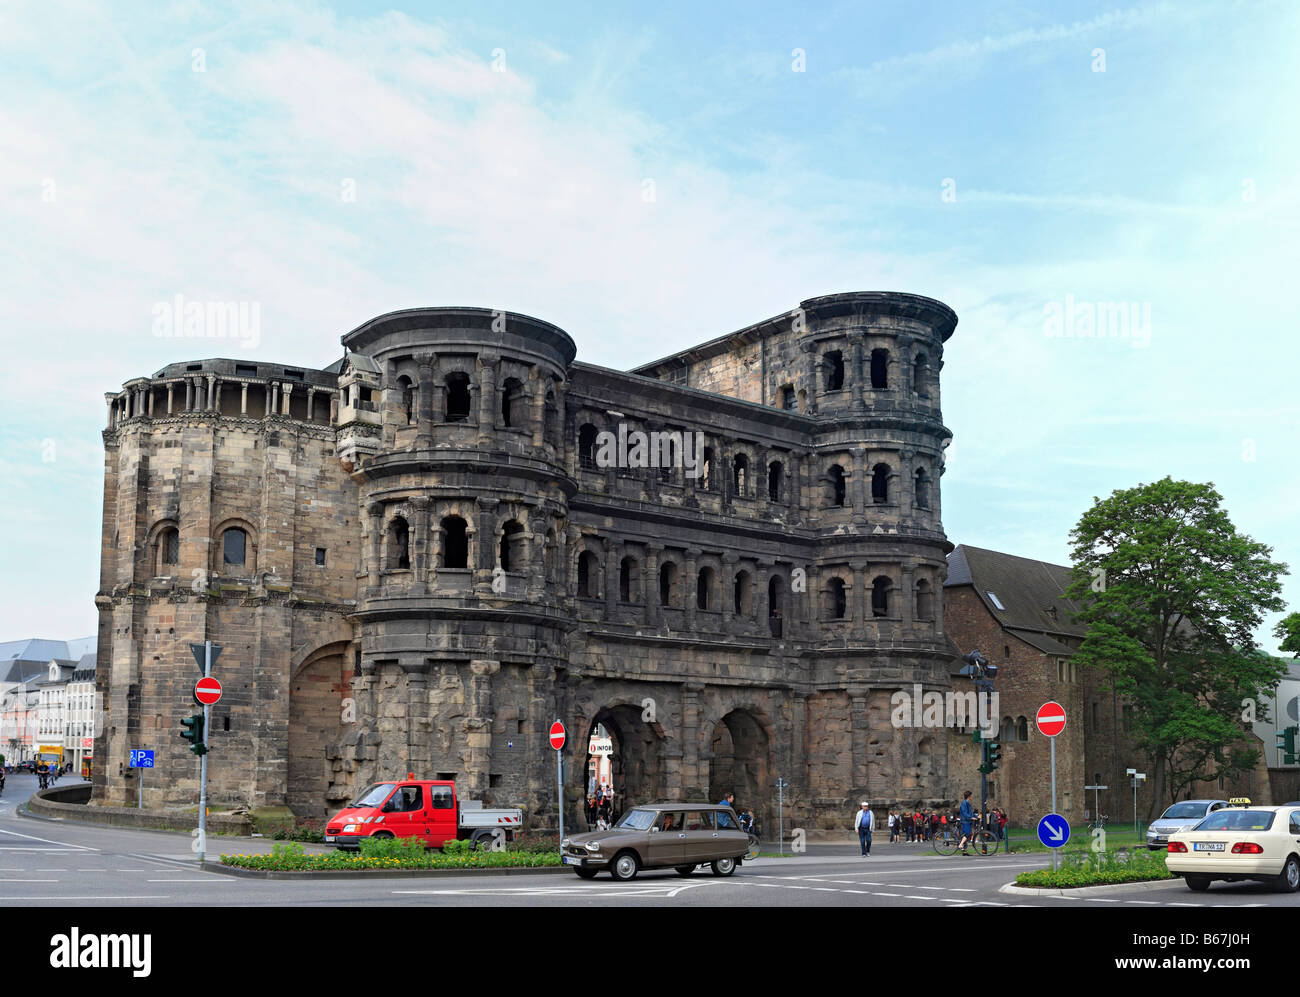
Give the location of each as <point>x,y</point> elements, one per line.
<point>427,809</point>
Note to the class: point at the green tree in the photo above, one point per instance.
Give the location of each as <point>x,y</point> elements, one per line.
<point>1171,595</point>
<point>1288,632</point>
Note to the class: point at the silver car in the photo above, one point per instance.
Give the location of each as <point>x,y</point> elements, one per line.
<point>1180,817</point>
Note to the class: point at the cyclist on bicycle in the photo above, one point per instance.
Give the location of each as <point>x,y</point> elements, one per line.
<point>967,816</point>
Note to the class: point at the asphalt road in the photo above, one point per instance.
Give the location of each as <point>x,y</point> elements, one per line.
<point>47,863</point>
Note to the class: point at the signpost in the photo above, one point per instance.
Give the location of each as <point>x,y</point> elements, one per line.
<point>557,742</point>
<point>141,758</point>
<point>206,655</point>
<point>1136,778</point>
<point>207,692</point>
<point>1050,722</point>
<point>1054,832</point>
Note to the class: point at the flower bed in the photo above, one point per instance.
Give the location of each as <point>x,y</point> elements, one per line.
<point>1088,868</point>
<point>387,854</point>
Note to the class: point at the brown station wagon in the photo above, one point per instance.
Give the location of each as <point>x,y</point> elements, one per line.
<point>660,836</point>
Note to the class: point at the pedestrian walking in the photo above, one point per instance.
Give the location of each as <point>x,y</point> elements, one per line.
<point>864,823</point>
<point>892,815</point>
<point>967,819</point>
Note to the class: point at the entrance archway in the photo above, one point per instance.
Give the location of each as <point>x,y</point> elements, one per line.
<point>635,760</point>
<point>739,764</point>
<point>316,693</point>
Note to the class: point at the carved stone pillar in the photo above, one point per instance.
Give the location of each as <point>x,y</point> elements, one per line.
<point>728,590</point>
<point>694,776</point>
<point>243,399</point>
<point>376,512</point>
<point>539,409</point>
<point>611,577</point>
<point>487,532</point>
<point>478,725</point>
<point>691,586</point>
<point>861,483</point>
<point>171,390</point>
<point>487,377</point>
<point>424,413</point>
<point>650,584</point>
<point>212,393</point>
<point>419,544</point>
<point>288,391</point>
<point>857,608</point>
<point>419,728</point>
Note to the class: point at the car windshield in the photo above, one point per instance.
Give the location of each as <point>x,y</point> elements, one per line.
<point>636,820</point>
<point>1237,820</point>
<point>373,796</point>
<point>1184,811</point>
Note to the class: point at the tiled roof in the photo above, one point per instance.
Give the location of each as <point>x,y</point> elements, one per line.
<point>1024,595</point>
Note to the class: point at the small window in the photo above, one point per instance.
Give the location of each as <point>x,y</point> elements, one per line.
<point>880,484</point>
<point>789,401</point>
<point>774,475</point>
<point>169,545</point>
<point>880,589</point>
<point>836,491</point>
<point>455,543</point>
<point>838,600</point>
<point>234,543</point>
<point>834,370</point>
<point>458,397</point>
<point>245,370</point>
<point>879,369</point>
<point>320,555</point>
<point>587,446</point>
<point>996,601</point>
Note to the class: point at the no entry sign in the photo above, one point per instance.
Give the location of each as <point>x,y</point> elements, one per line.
<point>557,735</point>
<point>207,691</point>
<point>1050,719</point>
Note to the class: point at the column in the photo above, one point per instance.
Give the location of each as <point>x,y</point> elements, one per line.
<point>487,378</point>
<point>243,399</point>
<point>149,393</point>
<point>311,402</point>
<point>858,373</point>
<point>861,482</point>
<point>189,394</point>
<point>611,577</point>
<point>478,725</point>
<point>694,782</point>
<point>418,725</point>
<point>728,590</point>
<point>487,532</point>
<point>908,596</point>
<point>650,582</point>
<point>211,396</point>
<point>539,409</point>
<point>216,403</point>
<point>376,511</point>
<point>859,722</point>
<point>171,388</point>
<point>334,408</point>
<point>857,608</point>
<point>424,404</point>
<point>691,584</point>
<point>419,544</point>
<point>288,391</point>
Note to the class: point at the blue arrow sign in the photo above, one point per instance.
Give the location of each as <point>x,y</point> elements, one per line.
<point>1054,831</point>
<point>141,759</point>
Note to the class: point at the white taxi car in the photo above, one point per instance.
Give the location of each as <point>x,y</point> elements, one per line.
<point>1239,842</point>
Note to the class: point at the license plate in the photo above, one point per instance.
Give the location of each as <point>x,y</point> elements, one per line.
<point>1208,846</point>
<point>570,860</point>
<point>329,837</point>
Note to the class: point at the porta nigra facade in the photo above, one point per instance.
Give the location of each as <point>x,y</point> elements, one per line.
<point>417,559</point>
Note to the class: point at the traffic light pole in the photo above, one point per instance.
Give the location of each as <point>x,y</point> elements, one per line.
<point>203,760</point>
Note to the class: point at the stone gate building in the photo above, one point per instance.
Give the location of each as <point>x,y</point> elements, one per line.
<point>419,557</point>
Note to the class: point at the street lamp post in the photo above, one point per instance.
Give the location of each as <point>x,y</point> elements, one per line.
<point>1137,778</point>
<point>981,672</point>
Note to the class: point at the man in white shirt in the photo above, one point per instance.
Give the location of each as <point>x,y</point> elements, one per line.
<point>864,823</point>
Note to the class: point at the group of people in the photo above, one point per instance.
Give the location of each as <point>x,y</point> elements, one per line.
<point>600,809</point>
<point>925,825</point>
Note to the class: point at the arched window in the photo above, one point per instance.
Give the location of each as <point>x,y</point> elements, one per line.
<point>922,489</point>
<point>406,391</point>
<point>512,546</point>
<point>234,547</point>
<point>588,575</point>
<point>740,475</point>
<point>1022,729</point>
<point>880,483</point>
<point>708,479</point>
<point>775,473</point>
<point>455,542</point>
<point>744,595</point>
<point>924,600</point>
<point>512,403</point>
<point>1008,729</point>
<point>629,580</point>
<point>587,446</point>
<point>881,589</point>
<point>837,602</point>
<point>880,369</point>
<point>775,604</point>
<point>457,396</point>
<point>836,492</point>
<point>704,598</point>
<point>399,546</point>
<point>668,584</point>
<point>169,549</point>
<point>920,375</point>
<point>834,362</point>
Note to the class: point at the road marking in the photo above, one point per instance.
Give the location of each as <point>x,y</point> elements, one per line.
<point>28,880</point>
<point>61,899</point>
<point>220,879</point>
<point>32,837</point>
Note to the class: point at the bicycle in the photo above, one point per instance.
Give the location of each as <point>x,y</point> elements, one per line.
<point>753,848</point>
<point>1101,822</point>
<point>948,839</point>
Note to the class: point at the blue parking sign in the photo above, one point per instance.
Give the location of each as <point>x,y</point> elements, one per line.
<point>141,759</point>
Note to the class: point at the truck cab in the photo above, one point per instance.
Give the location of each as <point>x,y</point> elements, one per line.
<point>427,809</point>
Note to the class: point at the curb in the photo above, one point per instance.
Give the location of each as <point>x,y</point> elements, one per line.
<point>226,870</point>
<point>1086,891</point>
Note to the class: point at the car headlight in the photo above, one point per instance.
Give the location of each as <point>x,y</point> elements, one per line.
<point>350,829</point>
<point>593,846</point>
<point>564,843</point>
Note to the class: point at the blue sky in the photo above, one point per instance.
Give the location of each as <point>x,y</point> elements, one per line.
<point>1007,159</point>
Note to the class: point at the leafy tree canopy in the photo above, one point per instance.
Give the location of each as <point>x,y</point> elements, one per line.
<point>1171,595</point>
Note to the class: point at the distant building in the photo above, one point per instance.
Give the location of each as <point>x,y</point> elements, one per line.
<point>34,679</point>
<point>1014,611</point>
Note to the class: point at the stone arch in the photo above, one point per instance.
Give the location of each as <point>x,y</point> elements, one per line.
<point>638,770</point>
<point>738,746</point>
<point>163,545</point>
<point>320,681</point>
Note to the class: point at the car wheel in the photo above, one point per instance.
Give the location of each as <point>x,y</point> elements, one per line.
<point>586,873</point>
<point>1289,878</point>
<point>624,867</point>
<point>685,870</point>
<point>1197,883</point>
<point>382,834</point>
<point>724,867</point>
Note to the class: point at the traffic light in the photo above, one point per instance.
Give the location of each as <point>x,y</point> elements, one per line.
<point>975,737</point>
<point>1286,743</point>
<point>994,750</point>
<point>193,732</point>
